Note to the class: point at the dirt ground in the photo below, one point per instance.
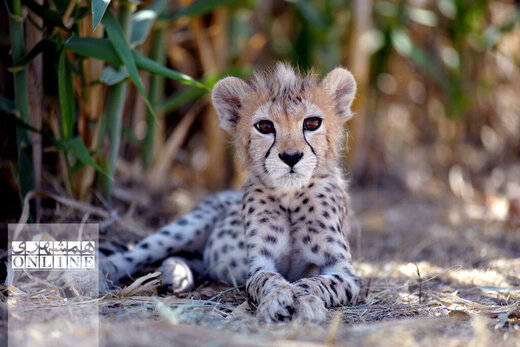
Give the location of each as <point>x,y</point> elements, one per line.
<point>436,272</point>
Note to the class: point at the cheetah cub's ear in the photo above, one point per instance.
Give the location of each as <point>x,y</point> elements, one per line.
<point>227,97</point>
<point>341,86</point>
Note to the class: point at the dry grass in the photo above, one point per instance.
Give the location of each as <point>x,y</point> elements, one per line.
<point>435,275</point>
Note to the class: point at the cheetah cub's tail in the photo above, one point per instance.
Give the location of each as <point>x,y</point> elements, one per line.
<point>187,234</point>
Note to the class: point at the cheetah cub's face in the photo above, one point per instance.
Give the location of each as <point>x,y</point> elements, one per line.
<point>287,127</point>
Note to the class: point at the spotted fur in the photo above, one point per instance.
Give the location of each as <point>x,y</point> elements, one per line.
<point>284,235</point>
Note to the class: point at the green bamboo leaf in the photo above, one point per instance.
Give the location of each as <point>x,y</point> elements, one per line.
<point>33,53</point>
<point>78,149</point>
<point>99,8</point>
<point>149,65</point>
<point>194,93</point>
<point>115,34</point>
<point>104,50</point>
<point>111,76</point>
<point>22,124</point>
<point>143,20</point>
<point>74,145</point>
<point>78,165</point>
<point>7,105</point>
<point>200,7</point>
<point>180,99</point>
<point>66,97</point>
<point>101,49</point>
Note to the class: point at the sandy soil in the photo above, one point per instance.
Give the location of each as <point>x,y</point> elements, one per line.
<point>436,273</point>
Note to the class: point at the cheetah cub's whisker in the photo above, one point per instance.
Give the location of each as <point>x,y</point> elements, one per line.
<point>284,235</point>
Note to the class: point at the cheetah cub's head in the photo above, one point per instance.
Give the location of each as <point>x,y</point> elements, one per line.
<point>287,127</point>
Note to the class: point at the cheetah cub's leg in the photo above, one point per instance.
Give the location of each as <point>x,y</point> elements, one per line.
<point>337,286</point>
<point>267,240</point>
<point>225,252</point>
<point>321,241</point>
<point>188,233</point>
<point>273,294</point>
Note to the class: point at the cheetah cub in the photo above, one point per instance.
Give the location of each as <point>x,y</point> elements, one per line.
<point>284,235</point>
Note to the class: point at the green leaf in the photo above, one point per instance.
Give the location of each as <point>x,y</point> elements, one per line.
<point>74,145</point>
<point>66,97</point>
<point>22,124</point>
<point>33,53</point>
<point>193,93</point>
<point>153,67</point>
<point>180,99</point>
<point>104,50</point>
<point>7,105</point>
<point>115,34</point>
<point>94,48</point>
<point>99,8</point>
<point>111,76</point>
<point>200,7</point>
<point>143,20</point>
<point>78,149</point>
<point>78,165</point>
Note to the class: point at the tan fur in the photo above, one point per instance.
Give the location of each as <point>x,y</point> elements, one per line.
<point>260,92</point>
<point>284,236</point>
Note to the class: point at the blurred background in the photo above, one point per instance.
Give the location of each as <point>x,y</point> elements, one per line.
<point>437,112</point>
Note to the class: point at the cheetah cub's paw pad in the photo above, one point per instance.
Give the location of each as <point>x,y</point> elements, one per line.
<point>310,308</point>
<point>277,306</point>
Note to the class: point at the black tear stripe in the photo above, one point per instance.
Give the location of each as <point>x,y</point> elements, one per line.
<point>268,153</point>
<point>269,150</point>
<point>312,149</point>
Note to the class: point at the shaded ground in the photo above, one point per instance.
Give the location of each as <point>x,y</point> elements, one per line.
<point>436,272</point>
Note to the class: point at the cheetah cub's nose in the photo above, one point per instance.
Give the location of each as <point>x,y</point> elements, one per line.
<point>290,158</point>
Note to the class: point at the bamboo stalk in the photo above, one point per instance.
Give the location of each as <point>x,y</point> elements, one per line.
<point>215,174</point>
<point>115,105</point>
<point>158,54</point>
<point>360,68</point>
<point>23,140</point>
<point>34,35</point>
<point>91,107</point>
<point>114,114</point>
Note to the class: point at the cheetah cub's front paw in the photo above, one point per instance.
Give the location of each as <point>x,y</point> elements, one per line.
<point>277,306</point>
<point>310,308</point>
<point>176,275</point>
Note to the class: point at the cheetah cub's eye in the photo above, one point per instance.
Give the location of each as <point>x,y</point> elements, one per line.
<point>311,123</point>
<point>265,126</point>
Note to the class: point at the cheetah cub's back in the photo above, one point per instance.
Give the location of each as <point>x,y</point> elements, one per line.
<point>284,235</point>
